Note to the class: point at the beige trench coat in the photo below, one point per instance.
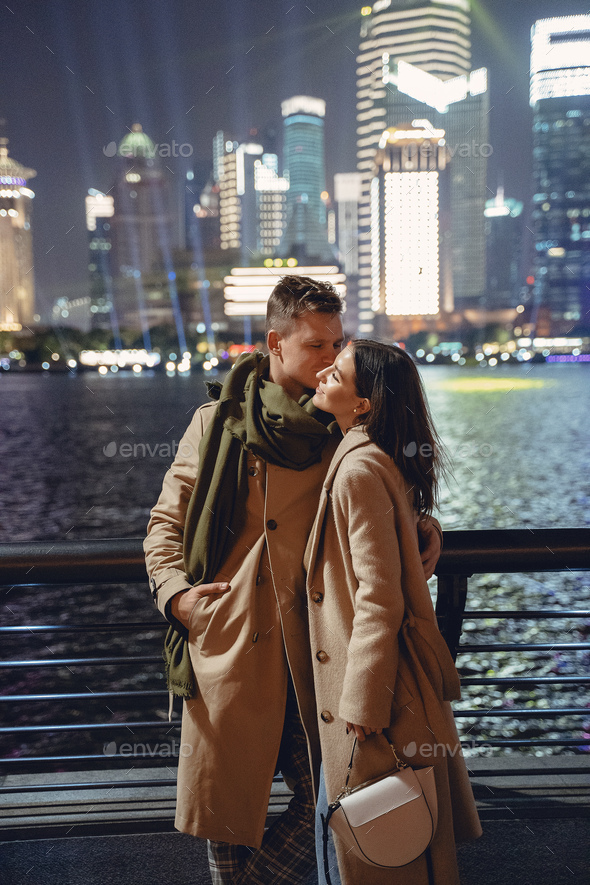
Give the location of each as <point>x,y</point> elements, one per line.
<point>378,657</point>
<point>241,643</point>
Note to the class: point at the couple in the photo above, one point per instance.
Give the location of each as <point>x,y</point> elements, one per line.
<point>279,667</point>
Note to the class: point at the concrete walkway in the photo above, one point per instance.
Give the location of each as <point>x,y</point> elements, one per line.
<point>59,829</point>
<point>515,852</point>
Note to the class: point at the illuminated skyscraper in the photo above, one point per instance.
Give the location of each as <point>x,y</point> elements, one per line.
<point>347,193</point>
<point>560,97</point>
<point>271,197</point>
<point>414,62</point>
<point>142,220</point>
<point>306,234</point>
<point>17,288</point>
<point>504,228</point>
<point>99,212</point>
<point>410,261</point>
<point>237,196</point>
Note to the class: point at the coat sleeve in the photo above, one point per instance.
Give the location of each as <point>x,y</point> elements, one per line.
<point>363,498</point>
<point>163,546</point>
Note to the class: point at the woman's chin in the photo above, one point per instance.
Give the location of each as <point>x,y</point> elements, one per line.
<point>317,399</point>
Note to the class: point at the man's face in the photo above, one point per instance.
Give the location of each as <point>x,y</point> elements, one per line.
<point>313,342</point>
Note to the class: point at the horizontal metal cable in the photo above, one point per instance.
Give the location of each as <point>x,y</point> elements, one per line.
<point>83,662</point>
<point>526,646</point>
<point>527,615</point>
<point>86,695</point>
<point>99,627</point>
<point>525,680</point>
<point>531,713</point>
<point>89,726</point>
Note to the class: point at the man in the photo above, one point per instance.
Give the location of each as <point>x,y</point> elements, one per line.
<point>224,552</point>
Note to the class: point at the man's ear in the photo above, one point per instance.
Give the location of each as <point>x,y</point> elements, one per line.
<point>273,342</point>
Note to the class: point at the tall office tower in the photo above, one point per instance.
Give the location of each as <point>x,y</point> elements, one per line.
<point>219,148</point>
<point>99,212</point>
<point>237,197</point>
<point>142,223</point>
<point>410,201</point>
<point>560,97</point>
<point>347,193</point>
<point>415,63</point>
<point>271,197</point>
<point>504,229</point>
<point>17,287</point>
<point>305,235</point>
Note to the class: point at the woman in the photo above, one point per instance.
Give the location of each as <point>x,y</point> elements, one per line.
<point>382,671</point>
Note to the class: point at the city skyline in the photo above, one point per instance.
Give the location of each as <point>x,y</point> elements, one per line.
<point>66,136</point>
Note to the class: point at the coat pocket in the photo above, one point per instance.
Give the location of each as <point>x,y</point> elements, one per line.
<point>219,623</point>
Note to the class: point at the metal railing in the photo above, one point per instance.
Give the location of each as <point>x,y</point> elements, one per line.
<point>78,563</point>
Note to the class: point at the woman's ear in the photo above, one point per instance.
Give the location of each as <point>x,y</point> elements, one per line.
<point>363,407</point>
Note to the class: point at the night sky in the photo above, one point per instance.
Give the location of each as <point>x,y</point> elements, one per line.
<point>76,75</point>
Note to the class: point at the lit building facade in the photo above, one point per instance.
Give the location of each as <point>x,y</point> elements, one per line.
<point>410,201</point>
<point>560,98</point>
<point>504,229</point>
<point>347,194</point>
<point>17,287</point>
<point>303,157</point>
<point>142,224</point>
<point>271,202</point>
<point>247,289</point>
<point>414,62</point>
<point>99,213</point>
<point>238,170</point>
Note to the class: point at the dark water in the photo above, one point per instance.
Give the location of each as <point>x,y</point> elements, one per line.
<point>84,457</point>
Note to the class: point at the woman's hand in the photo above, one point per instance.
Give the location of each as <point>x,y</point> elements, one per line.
<point>362,731</point>
<point>182,604</point>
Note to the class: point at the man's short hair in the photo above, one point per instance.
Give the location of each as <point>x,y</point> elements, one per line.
<point>293,297</point>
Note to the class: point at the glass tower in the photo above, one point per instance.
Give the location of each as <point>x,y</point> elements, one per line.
<point>305,235</point>
<point>560,98</point>
<point>414,62</point>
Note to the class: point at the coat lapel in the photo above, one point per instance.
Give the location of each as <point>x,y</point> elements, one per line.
<point>354,439</point>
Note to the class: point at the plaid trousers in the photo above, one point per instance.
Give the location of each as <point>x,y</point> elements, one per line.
<point>287,853</point>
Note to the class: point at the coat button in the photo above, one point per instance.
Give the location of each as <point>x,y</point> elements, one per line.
<point>271,524</point>
<point>326,716</point>
<point>322,656</point>
<point>252,471</point>
<point>258,580</point>
<point>317,597</point>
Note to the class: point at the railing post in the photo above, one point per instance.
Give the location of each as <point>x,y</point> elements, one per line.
<point>450,607</point>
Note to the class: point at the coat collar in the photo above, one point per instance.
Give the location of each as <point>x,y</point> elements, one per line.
<point>355,438</point>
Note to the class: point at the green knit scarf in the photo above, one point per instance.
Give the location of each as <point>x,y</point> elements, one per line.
<point>253,415</point>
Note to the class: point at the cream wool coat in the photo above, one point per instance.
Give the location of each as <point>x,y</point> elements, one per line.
<point>242,644</point>
<point>378,657</point>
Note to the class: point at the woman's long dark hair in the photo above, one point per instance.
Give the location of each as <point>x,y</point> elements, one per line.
<point>399,419</point>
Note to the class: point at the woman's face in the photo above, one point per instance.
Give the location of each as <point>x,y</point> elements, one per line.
<point>336,391</point>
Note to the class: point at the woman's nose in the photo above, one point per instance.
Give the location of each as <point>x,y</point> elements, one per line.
<point>319,375</point>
